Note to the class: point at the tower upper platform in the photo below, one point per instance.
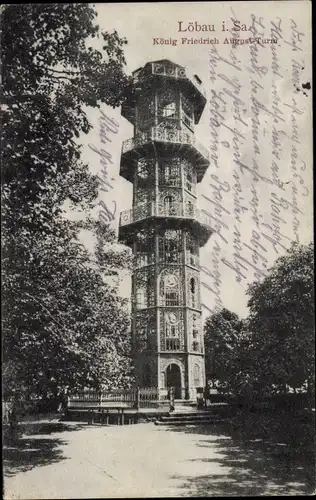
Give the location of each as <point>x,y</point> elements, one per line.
<point>158,74</point>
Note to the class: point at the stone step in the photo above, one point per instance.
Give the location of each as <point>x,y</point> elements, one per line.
<point>192,421</point>
<point>187,417</point>
<point>191,413</point>
<point>185,401</point>
<point>181,409</point>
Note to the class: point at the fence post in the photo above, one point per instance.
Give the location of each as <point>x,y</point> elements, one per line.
<point>171,398</point>
<point>137,404</point>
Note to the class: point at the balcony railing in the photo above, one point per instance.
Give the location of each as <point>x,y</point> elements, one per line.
<point>163,134</point>
<point>152,209</point>
<point>170,71</point>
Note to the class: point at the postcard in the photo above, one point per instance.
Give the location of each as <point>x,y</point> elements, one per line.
<point>158,211</point>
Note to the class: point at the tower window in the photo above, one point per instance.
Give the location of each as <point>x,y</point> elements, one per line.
<point>187,112</point>
<point>196,376</point>
<point>142,169</point>
<point>144,330</point>
<point>151,291</point>
<point>146,111</point>
<point>141,299</point>
<point>169,290</point>
<point>193,292</point>
<point>192,250</point>
<point>170,246</point>
<point>189,182</point>
<point>172,330</point>
<point>172,250</point>
<point>170,205</point>
<point>195,333</point>
<point>190,208</point>
<point>169,109</point>
<point>144,249</point>
<point>189,178</point>
<point>172,298</point>
<point>172,344</point>
<point>169,173</point>
<point>167,104</point>
<point>172,334</point>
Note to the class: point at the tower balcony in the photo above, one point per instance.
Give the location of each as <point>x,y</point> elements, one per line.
<point>177,214</point>
<point>159,140</point>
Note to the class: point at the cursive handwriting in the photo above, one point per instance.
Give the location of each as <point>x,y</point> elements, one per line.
<point>255,126</point>
<point>107,127</point>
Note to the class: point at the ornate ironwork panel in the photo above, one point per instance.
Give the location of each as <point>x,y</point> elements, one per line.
<point>145,112</point>
<point>170,246</point>
<point>189,176</point>
<point>171,330</point>
<point>187,112</point>
<point>195,335</point>
<point>193,289</point>
<point>170,287</point>
<point>145,334</point>
<point>144,173</point>
<point>192,250</point>
<point>170,172</point>
<point>144,285</point>
<point>144,247</point>
<point>168,104</point>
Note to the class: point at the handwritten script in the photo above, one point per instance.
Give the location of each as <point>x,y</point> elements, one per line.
<point>255,187</point>
<point>107,127</point>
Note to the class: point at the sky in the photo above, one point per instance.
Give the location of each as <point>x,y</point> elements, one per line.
<point>256,125</point>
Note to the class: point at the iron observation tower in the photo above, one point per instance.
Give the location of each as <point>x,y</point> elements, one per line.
<point>165,228</point>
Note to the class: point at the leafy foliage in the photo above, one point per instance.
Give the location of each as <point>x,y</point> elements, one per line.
<point>282,321</point>
<point>50,72</point>
<point>222,337</point>
<point>64,324</point>
<point>273,349</point>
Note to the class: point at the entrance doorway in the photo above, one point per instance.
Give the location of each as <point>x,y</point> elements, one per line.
<point>173,379</point>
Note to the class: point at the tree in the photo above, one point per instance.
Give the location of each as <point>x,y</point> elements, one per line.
<point>281,321</point>
<point>222,339</point>
<point>50,72</point>
<point>64,324</point>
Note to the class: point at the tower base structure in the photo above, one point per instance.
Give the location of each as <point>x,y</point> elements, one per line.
<point>185,374</point>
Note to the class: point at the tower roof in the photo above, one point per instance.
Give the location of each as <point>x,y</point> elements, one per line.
<point>160,61</point>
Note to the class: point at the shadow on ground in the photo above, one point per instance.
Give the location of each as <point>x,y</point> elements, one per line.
<point>256,456</point>
<point>27,449</point>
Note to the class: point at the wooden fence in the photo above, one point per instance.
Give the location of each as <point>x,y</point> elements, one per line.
<point>148,397</point>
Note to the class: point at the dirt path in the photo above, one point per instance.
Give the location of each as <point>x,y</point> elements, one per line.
<point>140,461</point>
